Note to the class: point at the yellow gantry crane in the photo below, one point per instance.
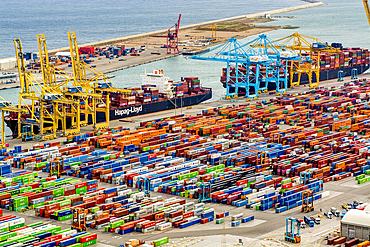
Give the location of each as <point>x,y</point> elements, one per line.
<point>308,47</point>
<point>57,168</point>
<point>34,100</point>
<point>88,86</point>
<point>98,86</point>
<point>47,103</point>
<point>44,107</point>
<point>63,105</point>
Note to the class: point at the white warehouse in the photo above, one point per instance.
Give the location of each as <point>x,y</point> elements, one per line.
<point>356,224</point>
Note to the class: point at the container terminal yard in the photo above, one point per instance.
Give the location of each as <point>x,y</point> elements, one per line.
<point>280,162</point>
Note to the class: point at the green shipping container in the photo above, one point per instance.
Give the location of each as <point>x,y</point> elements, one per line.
<point>65,203</point>
<point>25,189</point>
<point>6,242</point>
<point>75,245</point>
<point>161,241</point>
<point>94,209</point>
<point>286,181</point>
<point>67,217</point>
<point>193,174</point>
<point>117,224</point>
<point>16,226</point>
<point>14,192</point>
<point>361,181</point>
<point>61,231</point>
<point>185,176</point>
<point>7,235</point>
<point>25,239</point>
<point>58,192</point>
<point>52,230</point>
<point>35,224</point>
<point>91,242</point>
<point>220,166</point>
<point>360,176</point>
<point>81,190</point>
<point>5,229</point>
<point>220,221</point>
<point>48,184</point>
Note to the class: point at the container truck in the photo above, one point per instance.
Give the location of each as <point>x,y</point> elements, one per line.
<point>308,221</point>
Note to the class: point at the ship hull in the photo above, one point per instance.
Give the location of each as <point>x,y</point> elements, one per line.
<point>132,111</point>
<point>324,76</point>
<point>136,110</point>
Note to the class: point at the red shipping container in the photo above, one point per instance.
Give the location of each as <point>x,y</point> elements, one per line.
<point>62,239</point>
<point>188,214</point>
<point>55,237</point>
<point>203,221</point>
<point>88,238</point>
<point>79,185</point>
<point>42,242</point>
<point>285,186</point>
<point>18,229</point>
<point>148,224</point>
<point>89,187</point>
<point>127,226</point>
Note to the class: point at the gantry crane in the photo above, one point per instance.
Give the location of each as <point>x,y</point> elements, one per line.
<point>251,71</point>
<point>96,89</point>
<point>205,192</point>
<point>309,48</point>
<point>56,168</point>
<point>292,226</point>
<point>145,186</point>
<point>79,219</point>
<point>65,106</point>
<point>261,158</point>
<point>40,113</point>
<point>172,38</point>
<point>307,201</point>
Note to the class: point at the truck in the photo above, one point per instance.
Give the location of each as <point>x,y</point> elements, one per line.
<point>308,221</point>
<point>329,215</point>
<point>303,225</point>
<point>335,212</point>
<point>133,243</point>
<point>316,220</point>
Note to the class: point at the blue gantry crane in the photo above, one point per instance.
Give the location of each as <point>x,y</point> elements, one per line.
<point>237,61</point>
<point>253,67</point>
<point>304,177</point>
<point>276,66</point>
<point>205,190</point>
<point>292,226</point>
<point>145,186</point>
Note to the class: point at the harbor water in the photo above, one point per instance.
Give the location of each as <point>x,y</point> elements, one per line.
<point>101,20</point>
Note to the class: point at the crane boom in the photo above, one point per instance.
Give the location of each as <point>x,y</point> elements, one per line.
<point>21,66</point>
<point>367,9</point>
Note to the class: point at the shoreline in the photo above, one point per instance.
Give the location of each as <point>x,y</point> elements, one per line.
<point>143,35</point>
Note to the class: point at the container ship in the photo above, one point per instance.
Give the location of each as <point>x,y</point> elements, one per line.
<point>157,93</point>
<point>330,64</point>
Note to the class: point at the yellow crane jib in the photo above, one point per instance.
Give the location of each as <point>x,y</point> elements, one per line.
<point>367,9</point>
